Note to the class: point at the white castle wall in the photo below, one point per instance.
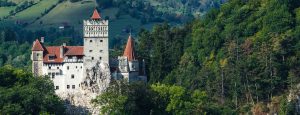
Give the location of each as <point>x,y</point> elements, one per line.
<point>63,76</point>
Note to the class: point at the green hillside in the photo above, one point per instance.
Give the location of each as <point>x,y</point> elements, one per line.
<point>66,12</point>
<point>4,11</point>
<point>44,14</point>
<point>35,11</point>
<point>244,56</point>
<point>71,14</point>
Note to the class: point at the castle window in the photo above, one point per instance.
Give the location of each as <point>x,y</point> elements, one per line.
<point>76,67</point>
<point>53,75</point>
<point>101,40</point>
<point>51,57</point>
<point>68,67</point>
<point>92,58</point>
<point>49,67</point>
<point>100,58</point>
<point>91,50</point>
<point>101,51</point>
<point>72,76</point>
<point>57,67</point>
<point>91,40</point>
<point>68,86</point>
<point>37,55</point>
<point>73,86</point>
<point>56,87</point>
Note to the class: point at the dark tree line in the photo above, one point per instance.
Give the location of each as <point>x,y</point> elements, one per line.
<point>5,3</point>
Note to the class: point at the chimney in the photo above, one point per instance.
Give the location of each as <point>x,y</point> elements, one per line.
<point>61,51</point>
<point>42,39</point>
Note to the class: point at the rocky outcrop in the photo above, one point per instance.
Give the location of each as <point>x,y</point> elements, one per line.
<point>96,81</point>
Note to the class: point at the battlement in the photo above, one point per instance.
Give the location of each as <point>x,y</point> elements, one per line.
<point>95,28</point>
<point>95,22</point>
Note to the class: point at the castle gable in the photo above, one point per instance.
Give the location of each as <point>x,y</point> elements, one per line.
<point>54,52</point>
<point>37,46</point>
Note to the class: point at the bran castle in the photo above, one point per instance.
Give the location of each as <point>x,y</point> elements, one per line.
<point>68,66</point>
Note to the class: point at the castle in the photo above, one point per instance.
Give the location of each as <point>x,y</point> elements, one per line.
<point>68,66</point>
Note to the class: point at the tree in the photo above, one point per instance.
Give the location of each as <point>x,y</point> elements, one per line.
<point>21,93</point>
<point>124,98</point>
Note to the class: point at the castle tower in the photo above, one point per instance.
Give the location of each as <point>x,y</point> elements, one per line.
<point>95,33</point>
<point>130,54</point>
<point>37,58</point>
<point>128,64</point>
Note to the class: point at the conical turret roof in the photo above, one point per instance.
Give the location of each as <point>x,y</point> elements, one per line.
<point>37,46</point>
<point>129,50</point>
<point>96,15</point>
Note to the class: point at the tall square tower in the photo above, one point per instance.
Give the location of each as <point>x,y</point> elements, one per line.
<point>96,44</point>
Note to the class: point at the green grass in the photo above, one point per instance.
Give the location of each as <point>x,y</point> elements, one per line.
<point>71,13</point>
<point>4,11</point>
<point>66,12</point>
<point>35,11</point>
<point>74,14</point>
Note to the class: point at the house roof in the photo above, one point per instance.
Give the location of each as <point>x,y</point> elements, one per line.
<point>74,50</point>
<point>129,50</point>
<point>55,51</point>
<point>37,46</point>
<point>96,15</point>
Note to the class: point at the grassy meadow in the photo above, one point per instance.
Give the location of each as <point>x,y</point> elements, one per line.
<point>31,13</point>
<point>4,11</point>
<point>71,14</point>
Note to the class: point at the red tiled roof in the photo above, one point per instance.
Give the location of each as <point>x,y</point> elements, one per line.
<point>68,51</point>
<point>96,15</point>
<point>129,50</point>
<point>53,51</point>
<point>37,46</point>
<point>74,50</point>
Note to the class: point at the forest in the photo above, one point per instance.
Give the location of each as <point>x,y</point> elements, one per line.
<point>179,11</point>
<point>240,58</point>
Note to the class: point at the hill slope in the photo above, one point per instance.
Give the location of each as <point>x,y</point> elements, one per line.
<point>52,13</point>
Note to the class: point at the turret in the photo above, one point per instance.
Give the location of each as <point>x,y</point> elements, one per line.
<point>37,57</point>
<point>133,63</point>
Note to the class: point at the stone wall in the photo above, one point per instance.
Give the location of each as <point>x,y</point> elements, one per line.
<point>97,80</point>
